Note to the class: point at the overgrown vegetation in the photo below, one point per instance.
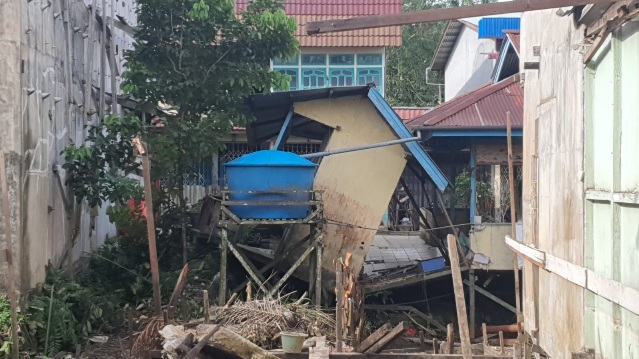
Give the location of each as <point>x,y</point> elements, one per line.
<point>201,59</point>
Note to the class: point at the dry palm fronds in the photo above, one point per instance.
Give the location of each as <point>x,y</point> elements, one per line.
<point>260,321</point>
<point>150,338</point>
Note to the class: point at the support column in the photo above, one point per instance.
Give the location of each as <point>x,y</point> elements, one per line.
<point>319,248</point>
<point>473,183</point>
<point>471,287</point>
<point>224,247</point>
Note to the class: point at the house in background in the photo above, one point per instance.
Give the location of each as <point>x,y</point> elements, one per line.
<point>341,59</point>
<point>468,51</point>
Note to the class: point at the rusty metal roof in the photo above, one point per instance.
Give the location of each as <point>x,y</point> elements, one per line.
<point>513,36</point>
<point>446,45</point>
<point>483,107</point>
<point>305,11</point>
<point>408,113</point>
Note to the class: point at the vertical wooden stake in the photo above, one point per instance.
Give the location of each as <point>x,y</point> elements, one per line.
<point>249,292</point>
<point>150,224</point>
<point>471,274</point>
<point>484,333</point>
<point>224,248</point>
<point>318,275</point>
<point>422,343</point>
<point>207,306</point>
<point>13,301</point>
<point>458,286</point>
<point>501,342</point>
<point>339,310</point>
<point>513,214</point>
<point>450,339</point>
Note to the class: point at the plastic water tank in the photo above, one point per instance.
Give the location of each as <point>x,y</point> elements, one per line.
<point>270,170</point>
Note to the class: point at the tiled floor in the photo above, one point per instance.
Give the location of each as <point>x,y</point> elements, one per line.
<point>392,251</point>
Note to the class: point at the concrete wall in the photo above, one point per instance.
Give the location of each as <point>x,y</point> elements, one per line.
<point>468,60</point>
<point>553,168</point>
<point>45,51</point>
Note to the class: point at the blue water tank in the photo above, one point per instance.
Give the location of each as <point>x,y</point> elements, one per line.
<point>270,170</point>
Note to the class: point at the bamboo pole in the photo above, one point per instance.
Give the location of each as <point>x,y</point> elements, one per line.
<point>513,214</point>
<point>339,310</point>
<point>150,224</point>
<point>9,253</point>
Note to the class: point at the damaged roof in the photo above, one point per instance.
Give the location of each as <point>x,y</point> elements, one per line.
<point>484,107</point>
<point>270,111</point>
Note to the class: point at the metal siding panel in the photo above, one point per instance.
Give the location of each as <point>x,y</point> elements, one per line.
<point>494,27</point>
<point>415,148</point>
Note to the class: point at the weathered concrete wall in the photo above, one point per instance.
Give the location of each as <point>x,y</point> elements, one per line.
<point>468,59</point>
<point>553,167</point>
<point>44,49</point>
<point>357,185</point>
<point>11,134</point>
<point>489,242</point>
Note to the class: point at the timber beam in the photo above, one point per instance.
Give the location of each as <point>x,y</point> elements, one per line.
<point>445,14</point>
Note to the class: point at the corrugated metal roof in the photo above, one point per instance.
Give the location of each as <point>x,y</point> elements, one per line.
<point>338,7</point>
<point>493,27</point>
<point>409,113</point>
<point>484,107</point>
<point>305,11</point>
<point>513,36</point>
<point>446,44</point>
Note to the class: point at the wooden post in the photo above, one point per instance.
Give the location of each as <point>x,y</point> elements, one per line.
<point>513,214</point>
<point>458,286</point>
<point>484,332</point>
<point>318,275</point>
<point>471,275</point>
<point>88,85</point>
<point>150,224</point>
<point>224,248</point>
<point>435,346</point>
<point>501,342</point>
<point>450,339</point>
<point>373,338</point>
<point>13,301</point>
<point>207,306</point>
<point>249,292</point>
<point>339,310</point>
<point>103,62</point>
<point>422,343</point>
<point>114,65</point>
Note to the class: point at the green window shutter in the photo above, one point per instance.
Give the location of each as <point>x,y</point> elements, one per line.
<point>313,78</point>
<point>342,77</point>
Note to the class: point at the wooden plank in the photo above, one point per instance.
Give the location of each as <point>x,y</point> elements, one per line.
<point>453,13</point>
<point>88,85</point>
<point>388,338</point>
<point>11,276</point>
<point>530,254</point>
<point>339,308</point>
<point>248,266</point>
<point>406,308</point>
<point>150,224</point>
<point>196,350</point>
<point>207,306</point>
<point>334,355</point>
<point>450,339</point>
<point>614,16</point>
<point>224,248</point>
<point>471,290</point>
<point>179,286</point>
<point>318,274</point>
<point>513,212</point>
<point>595,46</point>
<point>292,269</point>
<point>373,338</point>
<point>460,302</point>
<point>492,154</point>
<point>103,44</point>
<point>493,297</point>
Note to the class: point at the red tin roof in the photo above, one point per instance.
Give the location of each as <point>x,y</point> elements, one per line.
<point>305,11</point>
<point>513,36</point>
<point>483,107</point>
<point>408,113</point>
